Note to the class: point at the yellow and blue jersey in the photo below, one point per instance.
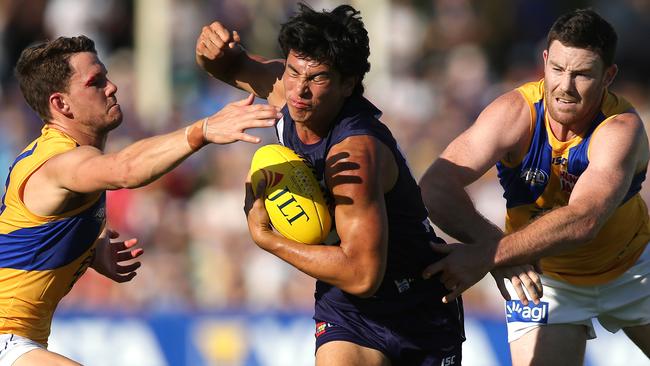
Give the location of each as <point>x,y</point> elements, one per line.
<point>543,178</point>
<point>41,257</point>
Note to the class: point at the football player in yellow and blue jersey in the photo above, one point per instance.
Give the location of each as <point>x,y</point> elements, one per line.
<point>571,157</point>
<point>52,217</point>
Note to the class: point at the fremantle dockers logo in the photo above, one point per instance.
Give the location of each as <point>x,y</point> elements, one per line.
<point>99,214</point>
<point>534,177</point>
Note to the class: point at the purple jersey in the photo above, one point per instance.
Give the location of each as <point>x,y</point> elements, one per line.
<point>409,231</point>
<point>405,319</point>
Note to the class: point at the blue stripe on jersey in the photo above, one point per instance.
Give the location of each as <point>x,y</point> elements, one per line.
<point>54,244</point>
<point>578,157</point>
<point>19,158</point>
<point>527,181</point>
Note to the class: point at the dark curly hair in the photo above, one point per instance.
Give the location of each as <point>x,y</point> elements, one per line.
<point>336,38</point>
<point>584,28</point>
<point>44,68</point>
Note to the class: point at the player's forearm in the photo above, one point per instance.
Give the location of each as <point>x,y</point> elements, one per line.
<point>452,210</point>
<point>147,160</point>
<point>558,231</point>
<point>330,264</point>
<point>225,68</point>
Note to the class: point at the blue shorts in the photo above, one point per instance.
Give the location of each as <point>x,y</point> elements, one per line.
<point>423,336</point>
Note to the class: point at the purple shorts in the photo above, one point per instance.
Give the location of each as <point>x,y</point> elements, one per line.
<point>429,334</point>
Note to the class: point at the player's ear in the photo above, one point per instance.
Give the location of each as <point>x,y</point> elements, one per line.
<point>610,74</point>
<point>60,105</point>
<point>349,83</point>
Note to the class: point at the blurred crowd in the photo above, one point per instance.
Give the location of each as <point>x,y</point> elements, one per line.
<point>435,65</point>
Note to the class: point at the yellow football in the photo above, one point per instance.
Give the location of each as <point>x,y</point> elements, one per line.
<point>294,200</point>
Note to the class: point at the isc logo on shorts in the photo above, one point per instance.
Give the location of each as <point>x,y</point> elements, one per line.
<point>531,313</point>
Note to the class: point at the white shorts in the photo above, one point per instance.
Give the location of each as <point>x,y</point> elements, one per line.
<point>13,346</point>
<point>624,302</point>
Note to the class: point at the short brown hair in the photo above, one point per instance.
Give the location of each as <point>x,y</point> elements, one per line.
<point>584,28</point>
<point>44,68</point>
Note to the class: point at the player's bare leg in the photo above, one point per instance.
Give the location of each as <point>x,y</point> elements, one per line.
<point>340,353</point>
<point>552,345</point>
<point>42,357</point>
<point>640,335</point>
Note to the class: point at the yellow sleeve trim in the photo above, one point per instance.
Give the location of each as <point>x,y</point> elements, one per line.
<point>60,147</point>
<point>613,105</point>
<point>532,93</point>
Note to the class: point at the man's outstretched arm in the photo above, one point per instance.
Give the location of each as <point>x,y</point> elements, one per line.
<point>220,53</point>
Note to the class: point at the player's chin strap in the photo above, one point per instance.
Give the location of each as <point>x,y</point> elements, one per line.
<point>195,134</point>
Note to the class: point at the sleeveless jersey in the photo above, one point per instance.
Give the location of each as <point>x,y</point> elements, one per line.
<point>543,179</point>
<point>41,257</point>
<point>409,232</point>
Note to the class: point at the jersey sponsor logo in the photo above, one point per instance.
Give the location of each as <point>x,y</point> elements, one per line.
<point>534,177</point>
<point>531,313</point>
<point>567,181</point>
<point>448,361</point>
<point>559,160</point>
